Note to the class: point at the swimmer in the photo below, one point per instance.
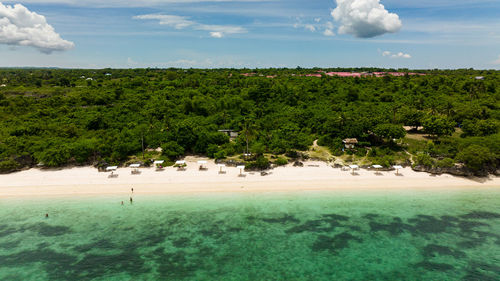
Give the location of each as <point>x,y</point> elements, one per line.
<point>47,215</point>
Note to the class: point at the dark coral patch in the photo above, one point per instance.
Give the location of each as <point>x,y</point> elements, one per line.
<point>334,244</point>
<point>283,220</point>
<point>481,215</point>
<point>433,266</point>
<point>432,250</point>
<point>103,244</point>
<point>181,242</point>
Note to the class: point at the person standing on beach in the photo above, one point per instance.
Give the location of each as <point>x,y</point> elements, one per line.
<point>132,189</point>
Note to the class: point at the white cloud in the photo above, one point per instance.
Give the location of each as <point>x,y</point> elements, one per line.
<point>329,29</point>
<point>497,61</point>
<point>310,27</point>
<point>216,34</point>
<point>328,32</point>
<point>180,22</point>
<point>21,27</point>
<point>177,22</point>
<point>399,55</point>
<point>365,18</point>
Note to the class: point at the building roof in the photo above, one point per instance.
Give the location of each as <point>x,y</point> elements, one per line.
<point>350,141</point>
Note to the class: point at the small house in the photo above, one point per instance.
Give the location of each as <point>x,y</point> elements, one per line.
<point>350,143</point>
<point>232,134</point>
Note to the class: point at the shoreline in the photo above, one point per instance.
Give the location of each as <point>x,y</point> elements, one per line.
<point>314,176</point>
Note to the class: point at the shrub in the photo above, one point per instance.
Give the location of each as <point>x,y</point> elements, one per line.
<point>172,149</point>
<point>445,163</point>
<point>281,161</point>
<point>9,165</point>
<point>261,163</point>
<point>221,154</point>
<point>424,159</point>
<point>476,157</point>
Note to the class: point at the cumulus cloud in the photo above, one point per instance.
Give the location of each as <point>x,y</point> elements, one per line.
<point>216,34</point>
<point>315,25</point>
<point>310,27</point>
<point>180,22</point>
<point>329,29</point>
<point>399,55</point>
<point>21,27</point>
<point>365,18</point>
<point>328,32</point>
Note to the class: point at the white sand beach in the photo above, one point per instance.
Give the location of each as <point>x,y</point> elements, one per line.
<point>313,176</point>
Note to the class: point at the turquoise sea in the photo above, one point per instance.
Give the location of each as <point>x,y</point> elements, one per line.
<point>335,235</point>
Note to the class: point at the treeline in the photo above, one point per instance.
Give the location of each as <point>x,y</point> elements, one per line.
<point>60,117</point>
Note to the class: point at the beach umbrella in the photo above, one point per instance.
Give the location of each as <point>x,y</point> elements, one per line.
<point>397,167</point>
<point>159,164</point>
<point>220,167</point>
<point>353,167</point>
<point>135,168</point>
<point>202,164</point>
<point>241,169</point>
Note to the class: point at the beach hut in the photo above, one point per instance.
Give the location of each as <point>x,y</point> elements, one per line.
<point>397,167</point>
<point>159,164</point>
<point>350,143</point>
<point>202,165</point>
<point>112,169</point>
<point>181,165</point>
<point>353,168</point>
<point>221,166</point>
<point>135,168</point>
<point>242,168</point>
<point>377,169</point>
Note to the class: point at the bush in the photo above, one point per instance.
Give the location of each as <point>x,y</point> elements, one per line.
<point>9,165</point>
<point>172,150</point>
<point>424,159</point>
<point>476,157</point>
<point>445,163</point>
<point>292,154</point>
<point>221,154</point>
<point>361,152</point>
<point>261,164</point>
<point>281,161</point>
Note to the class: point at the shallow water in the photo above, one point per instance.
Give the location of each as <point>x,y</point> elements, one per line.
<point>340,235</point>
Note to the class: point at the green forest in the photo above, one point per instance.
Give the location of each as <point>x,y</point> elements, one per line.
<point>60,117</point>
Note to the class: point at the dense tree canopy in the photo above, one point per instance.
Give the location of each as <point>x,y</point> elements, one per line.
<point>60,117</point>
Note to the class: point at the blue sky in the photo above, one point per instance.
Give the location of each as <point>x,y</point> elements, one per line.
<point>254,33</point>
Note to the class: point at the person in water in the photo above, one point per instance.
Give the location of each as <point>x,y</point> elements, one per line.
<point>122,202</point>
<point>131,200</point>
<point>47,215</point>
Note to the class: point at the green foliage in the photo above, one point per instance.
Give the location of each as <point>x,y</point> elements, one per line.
<point>172,150</point>
<point>424,159</point>
<point>8,165</point>
<point>57,117</point>
<point>480,127</point>
<point>438,126</point>
<point>476,157</point>
<point>412,117</point>
<point>445,163</point>
<point>389,131</point>
<point>261,163</point>
<point>281,161</point>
